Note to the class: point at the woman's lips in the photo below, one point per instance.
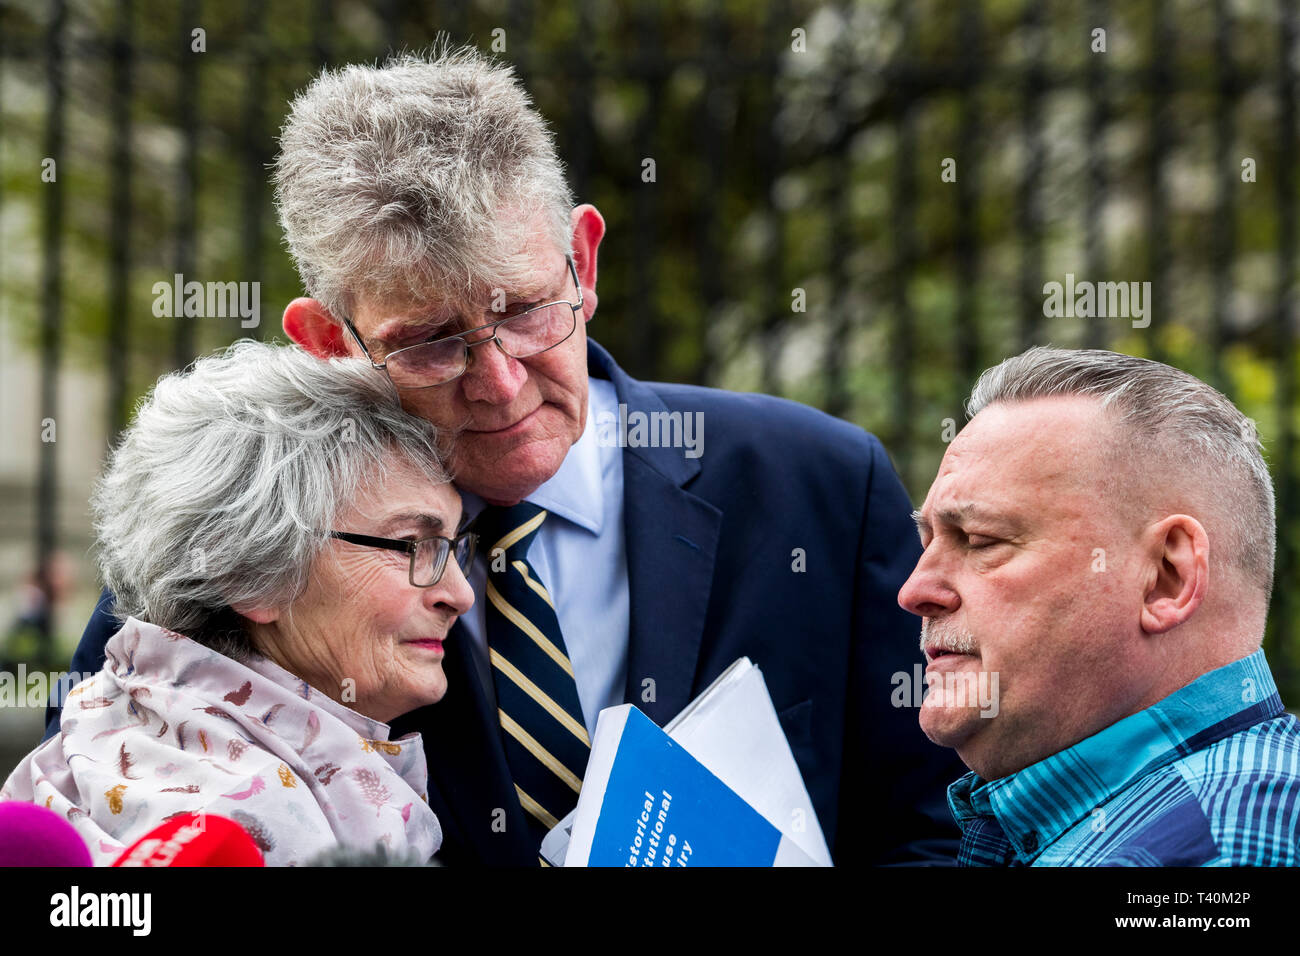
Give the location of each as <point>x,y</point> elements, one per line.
<point>428,643</point>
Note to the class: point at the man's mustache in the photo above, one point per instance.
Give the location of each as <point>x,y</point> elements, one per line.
<point>946,636</point>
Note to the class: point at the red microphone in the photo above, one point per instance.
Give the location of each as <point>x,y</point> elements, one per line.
<point>194,839</point>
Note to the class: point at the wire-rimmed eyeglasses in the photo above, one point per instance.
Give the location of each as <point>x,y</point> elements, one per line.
<point>444,360</point>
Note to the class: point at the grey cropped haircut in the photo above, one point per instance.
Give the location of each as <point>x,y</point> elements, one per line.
<point>1175,421</point>
<point>417,179</point>
<point>219,490</point>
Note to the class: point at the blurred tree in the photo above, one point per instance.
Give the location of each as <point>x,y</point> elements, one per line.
<point>799,234</point>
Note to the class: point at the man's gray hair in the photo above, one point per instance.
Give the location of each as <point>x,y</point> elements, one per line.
<point>219,491</point>
<point>418,179</point>
<point>1174,419</point>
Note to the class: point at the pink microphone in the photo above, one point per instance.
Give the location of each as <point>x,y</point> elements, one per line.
<point>33,836</point>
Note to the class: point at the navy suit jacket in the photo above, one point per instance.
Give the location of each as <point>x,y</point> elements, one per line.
<point>786,541</point>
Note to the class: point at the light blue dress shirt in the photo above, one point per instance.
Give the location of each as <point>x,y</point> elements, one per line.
<point>581,558</point>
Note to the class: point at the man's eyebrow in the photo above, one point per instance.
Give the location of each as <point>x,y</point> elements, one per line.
<point>395,328</point>
<point>530,295</point>
<point>963,513</point>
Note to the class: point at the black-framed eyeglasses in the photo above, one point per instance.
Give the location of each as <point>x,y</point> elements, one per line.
<point>444,360</point>
<point>428,555</point>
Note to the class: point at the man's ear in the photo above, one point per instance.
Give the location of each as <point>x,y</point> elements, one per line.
<point>1180,549</point>
<point>588,230</point>
<point>311,325</point>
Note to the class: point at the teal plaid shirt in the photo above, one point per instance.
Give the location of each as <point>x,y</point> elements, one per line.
<point>1209,776</point>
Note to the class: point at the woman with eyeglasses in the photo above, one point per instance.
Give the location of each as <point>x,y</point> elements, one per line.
<point>284,546</point>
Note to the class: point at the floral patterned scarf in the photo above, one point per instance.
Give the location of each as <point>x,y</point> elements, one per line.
<point>171,727</point>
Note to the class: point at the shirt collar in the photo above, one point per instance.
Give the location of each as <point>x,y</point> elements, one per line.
<point>1038,804</point>
<point>575,492</point>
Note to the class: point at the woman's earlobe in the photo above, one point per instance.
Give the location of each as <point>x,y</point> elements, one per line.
<point>259,615</point>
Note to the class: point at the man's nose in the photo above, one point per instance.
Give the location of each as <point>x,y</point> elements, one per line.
<point>491,375</point>
<point>927,592</point>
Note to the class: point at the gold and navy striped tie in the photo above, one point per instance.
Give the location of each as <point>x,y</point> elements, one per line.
<point>545,736</point>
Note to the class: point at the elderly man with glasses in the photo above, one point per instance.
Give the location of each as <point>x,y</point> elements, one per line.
<point>430,220</point>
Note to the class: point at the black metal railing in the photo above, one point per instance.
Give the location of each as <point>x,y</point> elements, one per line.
<point>778,169</point>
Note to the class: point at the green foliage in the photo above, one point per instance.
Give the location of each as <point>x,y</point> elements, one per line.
<point>776,170</point>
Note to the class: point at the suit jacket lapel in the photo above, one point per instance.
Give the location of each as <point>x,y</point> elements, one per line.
<point>672,538</point>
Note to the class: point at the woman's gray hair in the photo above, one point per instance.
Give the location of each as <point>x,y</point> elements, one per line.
<point>424,174</point>
<point>219,490</point>
<point>1167,417</point>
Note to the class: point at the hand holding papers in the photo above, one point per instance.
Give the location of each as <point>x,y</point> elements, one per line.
<point>718,786</point>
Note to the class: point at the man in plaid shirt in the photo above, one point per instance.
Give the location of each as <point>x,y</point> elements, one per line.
<point>1098,561</point>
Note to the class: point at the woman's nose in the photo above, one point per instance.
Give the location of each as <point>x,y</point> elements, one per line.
<point>453,588</point>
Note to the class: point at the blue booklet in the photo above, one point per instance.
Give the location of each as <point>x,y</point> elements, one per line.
<point>645,801</point>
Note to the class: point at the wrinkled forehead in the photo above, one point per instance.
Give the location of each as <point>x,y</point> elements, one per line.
<point>516,254</point>
<point>533,277</point>
<point>1029,453</point>
<point>401,489</point>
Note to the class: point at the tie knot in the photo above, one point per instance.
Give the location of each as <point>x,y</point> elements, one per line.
<point>511,529</point>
